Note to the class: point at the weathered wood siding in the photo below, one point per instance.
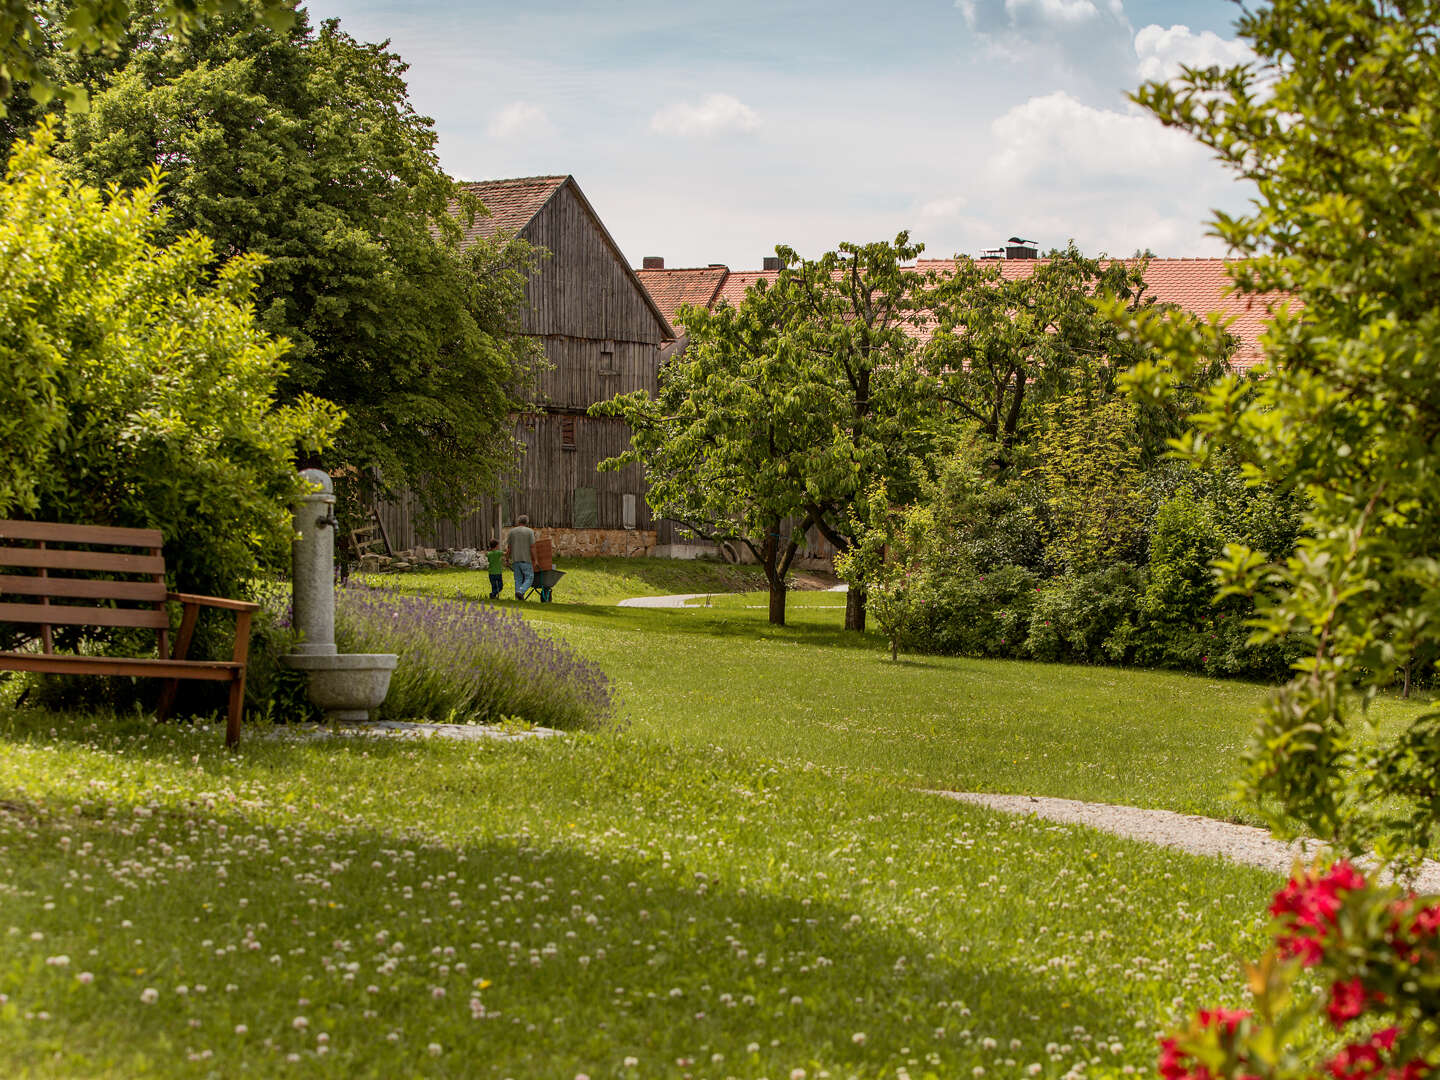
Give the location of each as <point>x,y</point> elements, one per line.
<point>556,482</point>
<point>587,370</point>
<point>556,487</point>
<point>584,289</point>
<point>603,338</point>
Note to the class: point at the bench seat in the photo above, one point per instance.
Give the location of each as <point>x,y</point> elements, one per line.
<point>73,576</point>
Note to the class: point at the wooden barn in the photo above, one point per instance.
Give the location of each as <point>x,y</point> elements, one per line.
<point>603,335</point>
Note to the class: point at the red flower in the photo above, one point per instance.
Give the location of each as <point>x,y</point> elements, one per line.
<point>1360,1061</point>
<point>1310,904</point>
<point>1227,1020</point>
<point>1347,1001</point>
<point>1176,1064</point>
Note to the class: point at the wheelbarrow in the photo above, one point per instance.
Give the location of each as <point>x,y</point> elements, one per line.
<point>544,582</point>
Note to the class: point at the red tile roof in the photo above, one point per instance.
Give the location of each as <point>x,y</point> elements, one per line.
<point>1200,286</point>
<point>673,288</point>
<point>512,203</point>
<point>1197,285</point>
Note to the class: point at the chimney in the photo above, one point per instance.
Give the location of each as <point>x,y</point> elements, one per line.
<point>1015,248</point>
<point>772,262</point>
<point>653,262</point>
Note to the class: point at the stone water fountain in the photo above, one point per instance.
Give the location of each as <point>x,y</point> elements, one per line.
<point>348,686</point>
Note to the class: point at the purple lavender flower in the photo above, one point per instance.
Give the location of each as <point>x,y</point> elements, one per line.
<point>466,662</point>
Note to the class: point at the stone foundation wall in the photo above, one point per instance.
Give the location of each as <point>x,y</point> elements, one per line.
<point>580,543</point>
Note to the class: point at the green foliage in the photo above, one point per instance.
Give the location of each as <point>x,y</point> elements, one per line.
<point>981,615</point>
<point>789,410</point>
<point>1347,224</point>
<point>32,29</point>
<point>1087,618</point>
<point>301,145</point>
<point>1178,598</point>
<point>1090,465</point>
<point>982,516</point>
<point>145,393</point>
<point>1002,347</point>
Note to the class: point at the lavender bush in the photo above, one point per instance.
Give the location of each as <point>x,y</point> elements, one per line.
<point>466,662</point>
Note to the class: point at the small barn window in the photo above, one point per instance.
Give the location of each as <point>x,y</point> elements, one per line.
<point>627,511</point>
<point>607,359</point>
<point>567,433</point>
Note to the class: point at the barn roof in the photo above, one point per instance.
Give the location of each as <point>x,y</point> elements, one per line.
<point>514,203</point>
<point>1197,285</point>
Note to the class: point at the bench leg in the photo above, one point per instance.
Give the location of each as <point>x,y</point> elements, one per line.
<point>233,714</point>
<point>181,651</point>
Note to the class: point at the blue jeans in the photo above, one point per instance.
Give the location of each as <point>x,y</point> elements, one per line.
<point>497,582</point>
<point>524,578</point>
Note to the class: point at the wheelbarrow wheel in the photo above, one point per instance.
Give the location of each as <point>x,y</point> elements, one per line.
<point>545,596</point>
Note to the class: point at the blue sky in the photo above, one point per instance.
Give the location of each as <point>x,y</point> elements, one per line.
<point>710,133</point>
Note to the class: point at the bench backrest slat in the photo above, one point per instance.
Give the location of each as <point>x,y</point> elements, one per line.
<point>60,559</point>
<point>77,615</point>
<point>82,575</point>
<point>104,535</point>
<point>150,592</point>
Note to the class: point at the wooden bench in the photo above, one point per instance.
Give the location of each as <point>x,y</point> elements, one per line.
<point>73,575</point>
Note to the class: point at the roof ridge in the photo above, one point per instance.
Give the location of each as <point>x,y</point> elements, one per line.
<point>513,179</point>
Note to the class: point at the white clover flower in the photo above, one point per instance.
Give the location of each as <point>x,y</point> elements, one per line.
<point>434,1049</point>
<point>58,961</point>
<point>300,1023</point>
<point>149,995</point>
<point>631,1062</point>
<point>85,977</point>
<point>241,1029</point>
<point>858,1038</point>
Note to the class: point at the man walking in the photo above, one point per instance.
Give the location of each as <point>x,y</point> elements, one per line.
<point>518,550</point>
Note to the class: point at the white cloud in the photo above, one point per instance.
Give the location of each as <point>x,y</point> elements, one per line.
<point>1115,180</point>
<point>1052,11</point>
<point>1058,136</point>
<point>1161,52</point>
<point>948,207</point>
<point>715,114</point>
<point>519,119</point>
<point>1090,37</point>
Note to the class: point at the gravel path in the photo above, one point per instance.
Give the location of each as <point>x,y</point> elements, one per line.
<point>1185,832</point>
<point>672,600</point>
<point>399,729</point>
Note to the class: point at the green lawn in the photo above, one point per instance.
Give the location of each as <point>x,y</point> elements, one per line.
<point>740,880</point>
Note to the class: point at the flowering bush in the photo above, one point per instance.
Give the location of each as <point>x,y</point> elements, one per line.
<point>468,662</point>
<point>1374,950</point>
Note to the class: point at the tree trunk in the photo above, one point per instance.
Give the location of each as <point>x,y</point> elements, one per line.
<point>1405,692</point>
<point>855,609</point>
<point>777,603</point>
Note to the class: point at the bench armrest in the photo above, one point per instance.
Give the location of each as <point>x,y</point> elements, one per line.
<point>213,601</point>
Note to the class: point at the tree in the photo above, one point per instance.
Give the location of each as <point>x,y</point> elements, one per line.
<point>785,412</point>
<point>301,145</point>
<point>850,323</point>
<point>1334,124</point>
<point>32,30</point>
<point>139,390</point>
<point>1003,347</point>
<point>725,442</point>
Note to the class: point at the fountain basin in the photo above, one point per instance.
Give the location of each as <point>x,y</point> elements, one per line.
<point>347,686</point>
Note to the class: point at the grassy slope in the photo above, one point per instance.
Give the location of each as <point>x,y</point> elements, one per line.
<point>744,870</point>
<point>597,581</point>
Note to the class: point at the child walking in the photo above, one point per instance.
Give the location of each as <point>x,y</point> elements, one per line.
<point>494,559</point>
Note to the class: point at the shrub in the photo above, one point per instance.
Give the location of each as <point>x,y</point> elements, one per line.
<point>1087,618</point>
<point>1369,950</point>
<point>469,663</point>
<point>1179,596</point>
<point>143,392</point>
<point>975,614</point>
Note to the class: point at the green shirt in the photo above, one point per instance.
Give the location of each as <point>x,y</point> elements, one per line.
<point>495,558</point>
